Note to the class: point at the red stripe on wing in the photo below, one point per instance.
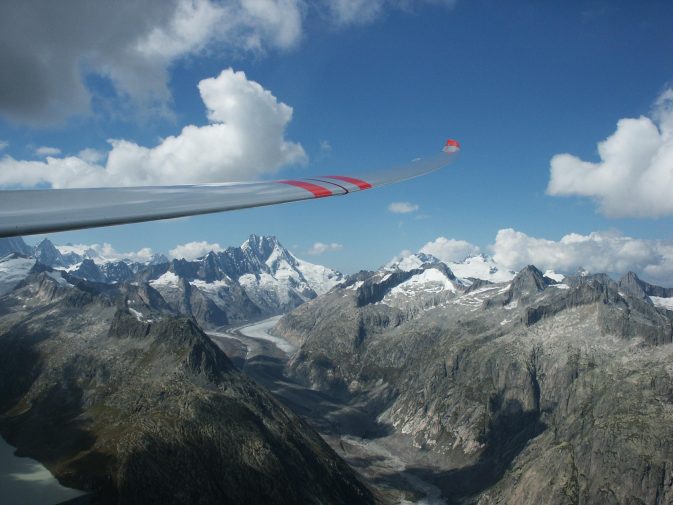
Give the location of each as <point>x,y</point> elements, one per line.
<point>357,182</point>
<point>318,191</point>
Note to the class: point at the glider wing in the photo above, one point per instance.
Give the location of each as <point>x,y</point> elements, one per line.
<point>26,212</point>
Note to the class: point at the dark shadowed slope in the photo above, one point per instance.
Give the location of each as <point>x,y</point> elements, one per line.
<point>116,396</point>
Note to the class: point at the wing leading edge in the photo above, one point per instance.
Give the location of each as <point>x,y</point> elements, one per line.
<point>26,212</point>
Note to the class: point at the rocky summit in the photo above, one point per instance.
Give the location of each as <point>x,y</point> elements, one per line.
<point>530,391</point>
<point>118,395</point>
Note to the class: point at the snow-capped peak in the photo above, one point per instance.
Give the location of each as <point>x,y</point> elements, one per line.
<point>411,262</point>
<point>481,267</point>
<point>261,246</point>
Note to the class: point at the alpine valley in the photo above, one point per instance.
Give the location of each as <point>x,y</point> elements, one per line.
<point>252,376</point>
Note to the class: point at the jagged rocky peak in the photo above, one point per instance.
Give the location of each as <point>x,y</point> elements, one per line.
<point>528,282</point>
<point>142,294</point>
<point>261,246</point>
<point>88,270</point>
<point>118,271</point>
<point>413,261</point>
<point>210,269</point>
<point>14,245</point>
<point>47,254</point>
<point>157,259</point>
<point>423,286</point>
<point>269,252</point>
<point>631,284</point>
<point>185,268</point>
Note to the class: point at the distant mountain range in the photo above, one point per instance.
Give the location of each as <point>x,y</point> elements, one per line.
<point>259,278</point>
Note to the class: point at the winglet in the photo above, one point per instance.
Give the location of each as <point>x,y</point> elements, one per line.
<point>451,146</point>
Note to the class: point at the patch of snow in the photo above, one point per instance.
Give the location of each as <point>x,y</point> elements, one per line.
<point>59,278</point>
<point>169,279</point>
<point>560,286</point>
<point>13,271</point>
<point>266,291</point>
<point>664,303</point>
<point>411,262</point>
<point>428,281</point>
<point>483,289</point>
<point>481,267</point>
<point>554,276</point>
<point>355,286</point>
<point>71,268</point>
<point>210,288</point>
<point>505,289</point>
<point>321,279</point>
<point>139,315</point>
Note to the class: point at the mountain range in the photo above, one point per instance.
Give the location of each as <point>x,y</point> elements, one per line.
<point>260,278</point>
<point>509,387</point>
<point>536,390</point>
<point>121,397</point>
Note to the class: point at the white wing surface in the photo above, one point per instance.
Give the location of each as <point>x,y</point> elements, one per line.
<point>26,212</point>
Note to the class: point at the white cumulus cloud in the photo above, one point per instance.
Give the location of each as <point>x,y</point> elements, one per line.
<point>449,249</point>
<point>47,151</point>
<point>634,177</point>
<point>320,248</point>
<point>48,49</point>
<point>402,207</point>
<point>106,252</point>
<point>607,252</point>
<point>354,12</point>
<point>244,140</point>
<point>193,250</point>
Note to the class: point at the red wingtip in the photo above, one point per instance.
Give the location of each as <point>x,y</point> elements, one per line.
<point>451,146</point>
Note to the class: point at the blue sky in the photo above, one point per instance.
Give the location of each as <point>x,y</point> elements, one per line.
<point>516,82</point>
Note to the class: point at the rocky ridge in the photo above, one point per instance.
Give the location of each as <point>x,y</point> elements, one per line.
<point>116,394</point>
<point>528,391</point>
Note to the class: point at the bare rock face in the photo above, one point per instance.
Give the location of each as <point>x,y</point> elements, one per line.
<point>14,245</point>
<point>638,288</point>
<point>530,392</point>
<point>119,397</point>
